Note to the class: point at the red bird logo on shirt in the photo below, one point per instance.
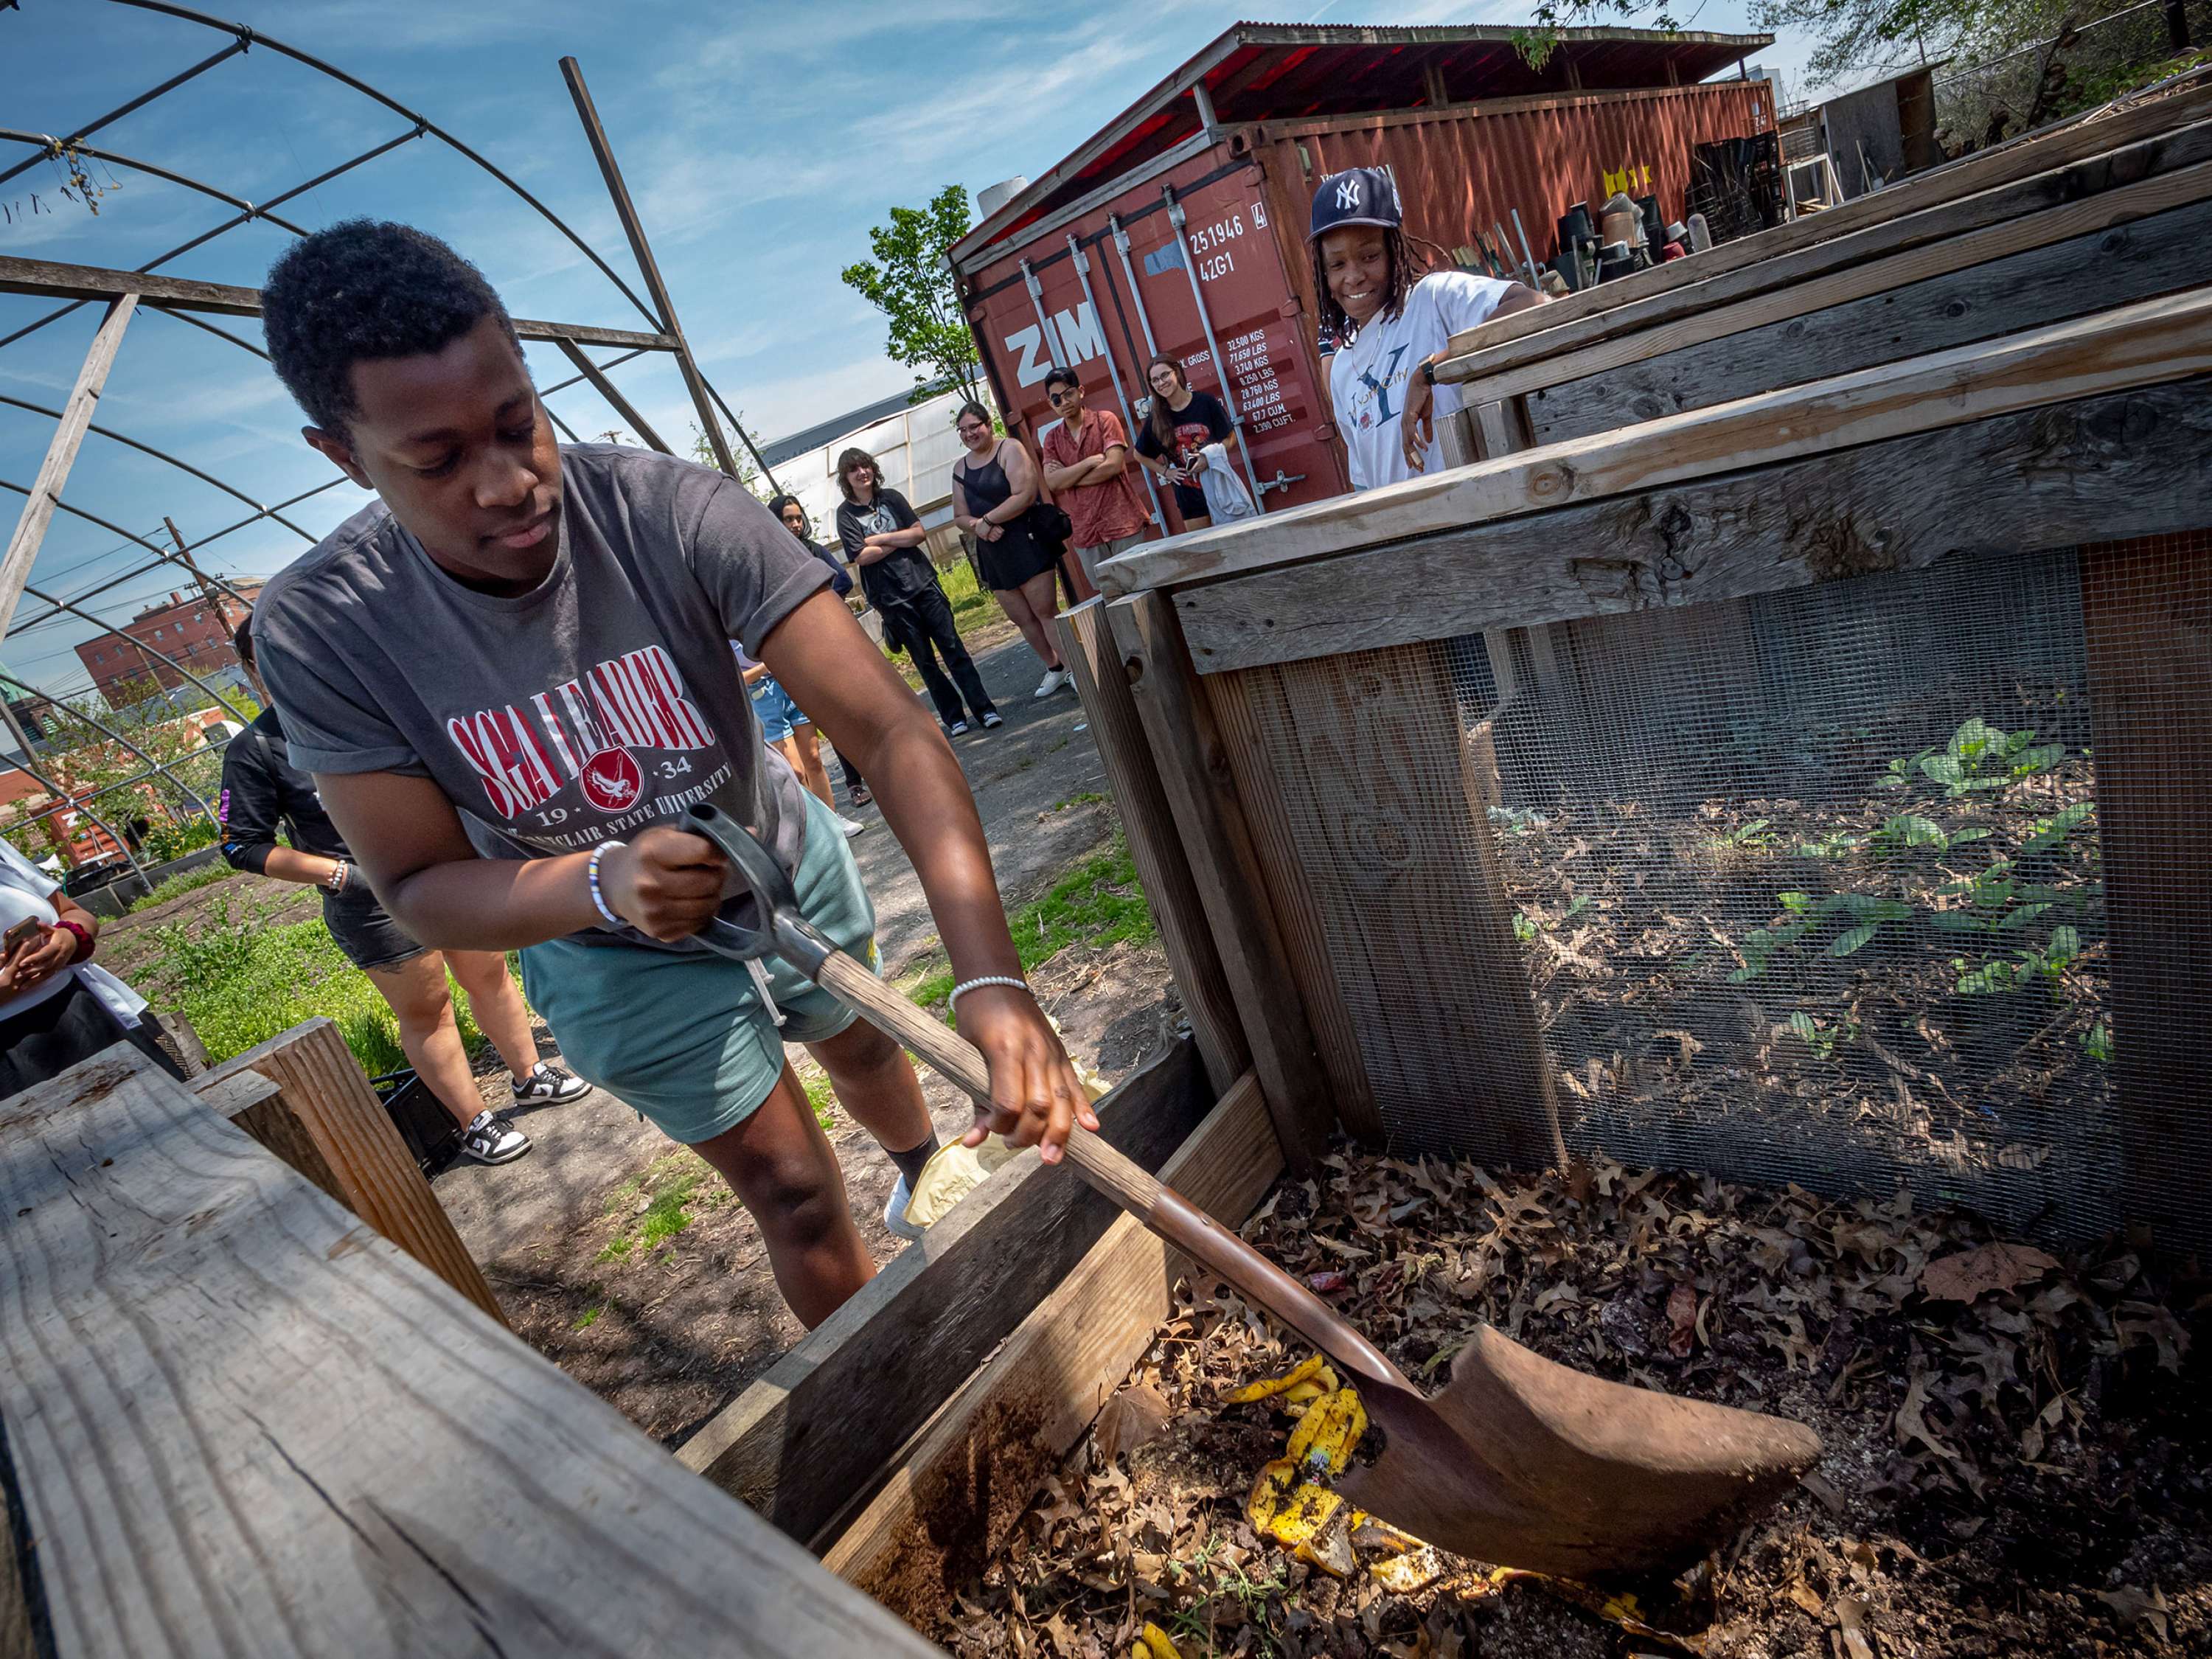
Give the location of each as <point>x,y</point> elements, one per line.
<point>613,781</point>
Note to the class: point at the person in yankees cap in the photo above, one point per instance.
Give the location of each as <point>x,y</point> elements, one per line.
<point>1393,323</point>
<point>511,673</point>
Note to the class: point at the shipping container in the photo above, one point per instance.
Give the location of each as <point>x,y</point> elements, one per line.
<point>1180,228</point>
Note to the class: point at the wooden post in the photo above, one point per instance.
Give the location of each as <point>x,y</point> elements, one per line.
<point>1200,789</point>
<point>1102,682</point>
<point>2147,620</point>
<point>1229,696</point>
<point>61,452</point>
<point>1412,902</point>
<point>327,1123</point>
<point>237,1422</point>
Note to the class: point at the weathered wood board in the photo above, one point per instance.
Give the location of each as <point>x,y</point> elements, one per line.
<point>959,1490</point>
<point>804,1442</point>
<point>2100,466</point>
<point>241,1423</point>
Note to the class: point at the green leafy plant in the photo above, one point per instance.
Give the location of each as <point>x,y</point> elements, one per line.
<point>1757,835</point>
<point>2047,962</point>
<point>1822,1038</point>
<point>911,281</point>
<point>1865,916</point>
<point>1979,758</point>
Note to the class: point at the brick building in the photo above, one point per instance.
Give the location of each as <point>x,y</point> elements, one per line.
<point>187,628</point>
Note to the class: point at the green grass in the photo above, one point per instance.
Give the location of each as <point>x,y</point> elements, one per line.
<point>240,984</point>
<point>1098,903</point>
<point>589,1317</point>
<point>669,1187</point>
<point>189,881</point>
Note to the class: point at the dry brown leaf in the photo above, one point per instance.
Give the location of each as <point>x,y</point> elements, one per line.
<point>1136,1416</point>
<point>1682,1319</point>
<point>1803,1595</point>
<point>1971,1274</point>
<point>2133,1608</point>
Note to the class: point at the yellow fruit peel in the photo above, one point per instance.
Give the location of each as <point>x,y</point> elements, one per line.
<point>1330,1546</point>
<point>1286,1509</point>
<point>1414,1569</point>
<point>1153,1643</point>
<point>1373,1533</point>
<point>1303,1372</point>
<point>1327,1433</point>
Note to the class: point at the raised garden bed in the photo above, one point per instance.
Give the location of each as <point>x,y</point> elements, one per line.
<point>2017,1458</point>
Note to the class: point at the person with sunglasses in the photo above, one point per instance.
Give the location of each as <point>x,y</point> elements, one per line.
<point>1086,467</point>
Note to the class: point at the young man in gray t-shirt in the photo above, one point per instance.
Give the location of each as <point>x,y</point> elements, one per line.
<point>512,671</point>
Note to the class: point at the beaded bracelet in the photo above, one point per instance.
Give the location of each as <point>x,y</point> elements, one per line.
<point>966,986</point>
<point>592,874</point>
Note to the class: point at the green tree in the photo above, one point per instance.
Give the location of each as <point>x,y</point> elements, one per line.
<point>702,451</point>
<point>910,282</point>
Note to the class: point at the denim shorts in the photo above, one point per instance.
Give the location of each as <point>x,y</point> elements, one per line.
<point>682,1035</point>
<point>778,713</point>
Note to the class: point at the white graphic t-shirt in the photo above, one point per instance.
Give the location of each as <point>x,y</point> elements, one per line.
<point>603,701</point>
<point>1367,378</point>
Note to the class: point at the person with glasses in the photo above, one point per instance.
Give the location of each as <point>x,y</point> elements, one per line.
<point>1179,425</point>
<point>994,487</point>
<point>1086,467</point>
<point>882,535</point>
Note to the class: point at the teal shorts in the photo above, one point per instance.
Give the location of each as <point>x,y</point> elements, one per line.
<point>682,1037</point>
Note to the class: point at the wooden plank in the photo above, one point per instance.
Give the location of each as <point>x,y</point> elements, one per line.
<point>231,1095</point>
<point>2054,151</point>
<point>45,491</point>
<point>244,1424</point>
<point>51,280</point>
<point>327,1123</point>
<point>2148,343</point>
<point>1102,682</point>
<point>2146,619</point>
<point>1376,766</point>
<point>1313,970</point>
<point>1999,213</point>
<point>957,1493</point>
<point>1201,790</point>
<point>2097,467</point>
<point>2132,261</point>
<point>801,1443</point>
<point>2080,226</point>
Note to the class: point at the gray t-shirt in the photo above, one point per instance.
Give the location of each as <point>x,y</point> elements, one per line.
<point>603,701</point>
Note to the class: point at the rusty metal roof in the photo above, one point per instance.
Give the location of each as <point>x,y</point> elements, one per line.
<point>1254,72</point>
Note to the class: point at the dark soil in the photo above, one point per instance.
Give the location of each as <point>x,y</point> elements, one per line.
<point>2017,1458</point>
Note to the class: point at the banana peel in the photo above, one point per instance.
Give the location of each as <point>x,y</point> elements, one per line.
<point>1153,1643</point>
<point>1325,1436</point>
<point>1318,1527</point>
<point>1304,1371</point>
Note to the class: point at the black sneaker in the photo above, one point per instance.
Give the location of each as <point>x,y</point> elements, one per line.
<point>549,1085</point>
<point>957,729</point>
<point>492,1139</point>
<point>993,718</point>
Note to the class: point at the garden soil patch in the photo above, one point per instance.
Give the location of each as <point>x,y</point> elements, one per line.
<point>2017,1458</point>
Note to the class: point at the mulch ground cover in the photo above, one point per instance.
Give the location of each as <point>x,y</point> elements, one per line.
<point>2016,1456</point>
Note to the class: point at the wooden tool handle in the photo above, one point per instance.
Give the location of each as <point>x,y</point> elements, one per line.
<point>1167,1213</point>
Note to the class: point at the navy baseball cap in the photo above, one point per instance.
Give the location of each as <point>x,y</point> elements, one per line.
<point>1359,196</point>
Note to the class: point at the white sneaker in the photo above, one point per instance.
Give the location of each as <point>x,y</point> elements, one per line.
<point>957,729</point>
<point>490,1139</point>
<point>992,720</point>
<point>895,1212</point>
<point>1053,680</point>
<point>549,1085</point>
<point>852,827</point>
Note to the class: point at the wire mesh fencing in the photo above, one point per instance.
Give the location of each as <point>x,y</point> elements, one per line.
<point>1809,888</point>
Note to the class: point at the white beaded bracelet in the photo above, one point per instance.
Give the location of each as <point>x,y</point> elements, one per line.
<point>592,878</point>
<point>966,986</point>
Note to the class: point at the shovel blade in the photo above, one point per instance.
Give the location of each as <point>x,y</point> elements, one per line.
<point>1524,1463</point>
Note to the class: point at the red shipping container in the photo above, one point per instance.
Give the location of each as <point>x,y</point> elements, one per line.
<point>1181,228</point>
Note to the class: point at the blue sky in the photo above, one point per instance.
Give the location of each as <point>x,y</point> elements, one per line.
<point>761,140</point>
